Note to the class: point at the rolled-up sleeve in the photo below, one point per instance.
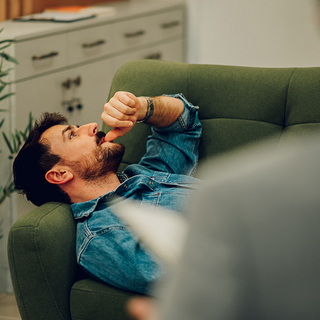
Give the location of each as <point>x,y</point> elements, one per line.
<point>174,149</point>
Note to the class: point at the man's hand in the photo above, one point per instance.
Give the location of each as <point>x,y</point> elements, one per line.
<point>142,308</point>
<point>124,109</point>
<point>121,113</point>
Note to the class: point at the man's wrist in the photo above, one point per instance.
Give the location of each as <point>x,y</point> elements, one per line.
<point>143,109</point>
<point>148,109</point>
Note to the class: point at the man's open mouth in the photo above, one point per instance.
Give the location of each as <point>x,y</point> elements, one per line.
<point>100,137</point>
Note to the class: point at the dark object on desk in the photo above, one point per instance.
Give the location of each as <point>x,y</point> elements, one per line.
<point>55,17</point>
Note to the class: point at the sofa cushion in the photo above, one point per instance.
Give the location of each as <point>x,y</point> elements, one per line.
<point>256,94</point>
<point>91,299</point>
<point>303,100</point>
<point>41,250</point>
<point>221,135</point>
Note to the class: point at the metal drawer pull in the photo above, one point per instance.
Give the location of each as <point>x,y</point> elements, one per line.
<point>45,56</point>
<point>169,25</point>
<point>66,84</point>
<point>135,34</point>
<point>93,44</point>
<point>155,56</point>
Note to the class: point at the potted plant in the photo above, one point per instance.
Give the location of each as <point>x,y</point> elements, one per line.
<point>14,141</point>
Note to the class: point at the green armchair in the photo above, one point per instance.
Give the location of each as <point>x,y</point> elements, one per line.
<point>238,106</point>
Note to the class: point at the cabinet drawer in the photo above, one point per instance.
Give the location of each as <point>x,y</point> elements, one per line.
<point>167,25</point>
<point>171,51</point>
<point>40,55</point>
<point>90,43</point>
<point>133,33</point>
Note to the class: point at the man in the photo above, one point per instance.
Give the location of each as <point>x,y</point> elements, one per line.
<point>78,165</point>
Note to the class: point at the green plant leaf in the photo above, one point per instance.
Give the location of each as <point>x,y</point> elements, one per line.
<point>23,135</point>
<point>3,55</point>
<point>8,143</point>
<point>14,141</point>
<point>2,87</point>
<point>6,41</point>
<point>6,46</point>
<point>3,82</point>
<point>6,96</point>
<point>3,73</point>
<point>29,127</point>
<point>2,197</point>
<point>12,187</point>
<point>17,135</point>
<point>7,57</point>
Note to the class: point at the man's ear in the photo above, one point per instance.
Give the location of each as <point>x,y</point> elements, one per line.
<point>59,175</point>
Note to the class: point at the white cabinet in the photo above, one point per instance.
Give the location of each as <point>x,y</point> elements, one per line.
<point>171,51</point>
<point>133,33</point>
<point>90,43</point>
<point>168,24</point>
<point>41,55</point>
<point>78,93</point>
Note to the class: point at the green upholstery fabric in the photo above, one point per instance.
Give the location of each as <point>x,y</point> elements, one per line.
<point>42,261</point>
<point>238,106</point>
<point>93,300</point>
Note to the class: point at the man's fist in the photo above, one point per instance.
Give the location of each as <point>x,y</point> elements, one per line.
<point>121,113</point>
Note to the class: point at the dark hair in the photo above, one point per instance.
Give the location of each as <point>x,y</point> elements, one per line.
<point>34,160</point>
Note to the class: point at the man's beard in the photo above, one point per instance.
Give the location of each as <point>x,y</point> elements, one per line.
<point>100,163</point>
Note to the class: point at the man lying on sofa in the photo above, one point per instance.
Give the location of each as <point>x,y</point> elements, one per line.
<point>78,165</point>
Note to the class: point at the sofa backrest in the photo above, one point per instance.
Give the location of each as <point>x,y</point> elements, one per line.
<point>238,105</point>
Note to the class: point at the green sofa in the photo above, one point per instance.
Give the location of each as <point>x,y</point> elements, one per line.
<point>238,106</point>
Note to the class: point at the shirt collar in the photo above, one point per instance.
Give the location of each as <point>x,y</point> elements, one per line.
<point>122,177</point>
<point>84,209</point>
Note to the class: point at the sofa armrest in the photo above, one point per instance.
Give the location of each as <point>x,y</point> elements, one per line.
<point>41,252</point>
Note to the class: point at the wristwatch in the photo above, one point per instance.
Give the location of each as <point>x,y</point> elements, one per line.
<point>150,110</point>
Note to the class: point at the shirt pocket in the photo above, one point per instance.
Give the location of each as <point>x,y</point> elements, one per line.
<point>150,199</point>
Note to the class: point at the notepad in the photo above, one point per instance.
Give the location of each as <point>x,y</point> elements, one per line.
<point>56,17</point>
<point>162,231</point>
<point>96,10</point>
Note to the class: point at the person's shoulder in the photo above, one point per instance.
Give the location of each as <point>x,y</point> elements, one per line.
<point>137,169</point>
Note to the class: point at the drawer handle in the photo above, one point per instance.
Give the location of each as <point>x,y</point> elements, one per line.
<point>93,44</point>
<point>134,34</point>
<point>45,56</point>
<point>155,56</point>
<point>169,25</point>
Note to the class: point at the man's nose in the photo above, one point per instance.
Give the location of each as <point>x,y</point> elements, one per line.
<point>91,129</point>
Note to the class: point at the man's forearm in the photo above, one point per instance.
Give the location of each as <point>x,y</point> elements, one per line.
<point>166,110</point>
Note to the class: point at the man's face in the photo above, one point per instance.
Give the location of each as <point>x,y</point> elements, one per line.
<point>84,150</point>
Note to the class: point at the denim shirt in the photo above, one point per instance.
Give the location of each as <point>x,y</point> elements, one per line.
<point>105,247</point>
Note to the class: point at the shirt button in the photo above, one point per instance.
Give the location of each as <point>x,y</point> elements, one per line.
<point>151,183</point>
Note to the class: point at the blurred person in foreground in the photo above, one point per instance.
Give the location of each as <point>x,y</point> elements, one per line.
<point>252,248</point>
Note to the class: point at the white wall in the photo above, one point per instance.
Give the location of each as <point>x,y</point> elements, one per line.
<point>268,33</point>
